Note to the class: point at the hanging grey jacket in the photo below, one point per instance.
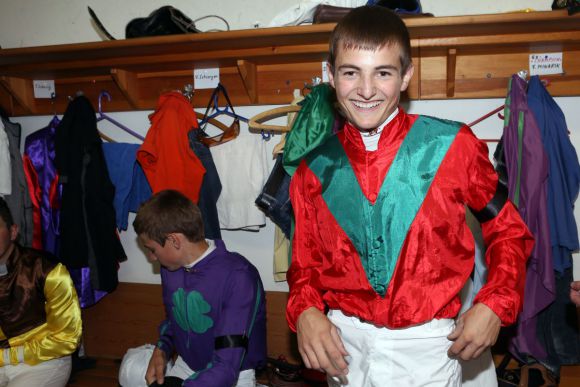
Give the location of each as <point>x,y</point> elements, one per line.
<point>19,200</point>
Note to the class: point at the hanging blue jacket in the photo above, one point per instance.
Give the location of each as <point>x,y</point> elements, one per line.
<point>564,173</point>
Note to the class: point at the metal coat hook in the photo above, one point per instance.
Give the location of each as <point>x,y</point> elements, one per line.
<point>188,91</point>
<point>55,119</point>
<point>266,136</point>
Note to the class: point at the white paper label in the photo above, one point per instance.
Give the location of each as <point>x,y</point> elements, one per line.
<point>324,72</point>
<point>43,89</point>
<point>544,64</point>
<point>207,78</point>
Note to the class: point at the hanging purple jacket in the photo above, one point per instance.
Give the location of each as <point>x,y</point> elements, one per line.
<point>527,170</point>
<point>207,306</point>
<point>39,150</point>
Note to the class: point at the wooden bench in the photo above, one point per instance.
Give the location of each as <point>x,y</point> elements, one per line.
<point>129,317</point>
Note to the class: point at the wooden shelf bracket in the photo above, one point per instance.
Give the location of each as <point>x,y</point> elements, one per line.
<point>127,83</point>
<point>21,90</point>
<point>451,67</point>
<point>249,73</point>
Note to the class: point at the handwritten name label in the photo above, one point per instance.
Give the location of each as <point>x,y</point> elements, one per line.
<point>544,64</point>
<point>207,78</point>
<point>43,89</point>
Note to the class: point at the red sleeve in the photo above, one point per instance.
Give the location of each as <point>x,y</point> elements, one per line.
<point>306,256</point>
<point>35,193</point>
<point>508,243</point>
<point>507,239</point>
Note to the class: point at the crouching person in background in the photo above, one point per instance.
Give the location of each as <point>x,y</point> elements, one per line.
<point>214,303</point>
<point>40,316</point>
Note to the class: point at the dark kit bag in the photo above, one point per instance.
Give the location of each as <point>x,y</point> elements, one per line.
<point>163,21</point>
<point>166,20</point>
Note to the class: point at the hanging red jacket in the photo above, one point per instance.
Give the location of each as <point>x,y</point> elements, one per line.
<point>166,157</point>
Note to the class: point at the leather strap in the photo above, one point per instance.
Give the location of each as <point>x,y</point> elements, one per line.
<point>231,341</point>
<point>494,206</point>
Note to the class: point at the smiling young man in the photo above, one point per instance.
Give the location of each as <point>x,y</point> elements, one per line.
<point>214,302</point>
<point>381,241</point>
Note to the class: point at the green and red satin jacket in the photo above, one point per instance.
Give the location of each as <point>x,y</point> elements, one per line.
<point>381,235</point>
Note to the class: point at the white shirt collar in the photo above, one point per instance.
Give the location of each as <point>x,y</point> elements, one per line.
<point>208,251</point>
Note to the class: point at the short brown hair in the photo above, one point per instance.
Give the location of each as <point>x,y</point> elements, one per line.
<point>5,213</point>
<point>370,28</point>
<point>169,212</point>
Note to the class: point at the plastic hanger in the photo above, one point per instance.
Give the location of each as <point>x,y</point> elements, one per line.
<point>256,122</point>
<point>102,116</point>
<point>230,133</point>
<point>188,93</point>
<point>486,116</point>
<point>213,106</point>
<point>522,74</point>
<point>218,124</point>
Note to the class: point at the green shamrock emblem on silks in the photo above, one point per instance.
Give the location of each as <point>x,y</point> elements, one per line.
<point>189,311</point>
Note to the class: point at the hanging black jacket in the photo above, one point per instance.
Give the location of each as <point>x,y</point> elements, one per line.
<point>87,218</point>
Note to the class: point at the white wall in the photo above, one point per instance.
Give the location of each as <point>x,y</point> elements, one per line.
<point>66,21</point>
<point>26,23</point>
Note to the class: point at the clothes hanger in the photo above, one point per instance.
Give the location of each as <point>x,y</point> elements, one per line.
<point>102,116</point>
<point>229,132</point>
<point>218,124</point>
<point>213,106</point>
<point>486,116</point>
<point>188,93</point>
<point>105,137</point>
<point>221,138</point>
<point>522,74</point>
<point>256,122</point>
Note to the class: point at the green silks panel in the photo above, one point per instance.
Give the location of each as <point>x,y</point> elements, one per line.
<point>378,230</point>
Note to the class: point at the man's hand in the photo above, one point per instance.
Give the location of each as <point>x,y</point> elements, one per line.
<point>156,368</point>
<point>319,343</point>
<point>476,330</point>
<point>575,292</point>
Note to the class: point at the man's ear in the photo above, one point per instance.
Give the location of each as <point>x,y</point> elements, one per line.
<point>13,232</point>
<point>174,240</point>
<point>329,71</point>
<point>407,77</point>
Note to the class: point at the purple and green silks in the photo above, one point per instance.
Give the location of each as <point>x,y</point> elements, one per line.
<point>527,166</point>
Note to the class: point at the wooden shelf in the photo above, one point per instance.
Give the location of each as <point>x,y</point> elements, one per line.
<point>455,57</point>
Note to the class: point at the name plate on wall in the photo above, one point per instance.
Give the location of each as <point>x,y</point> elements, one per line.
<point>546,64</point>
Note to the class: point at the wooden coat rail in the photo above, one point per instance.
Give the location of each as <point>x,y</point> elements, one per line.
<point>455,57</point>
